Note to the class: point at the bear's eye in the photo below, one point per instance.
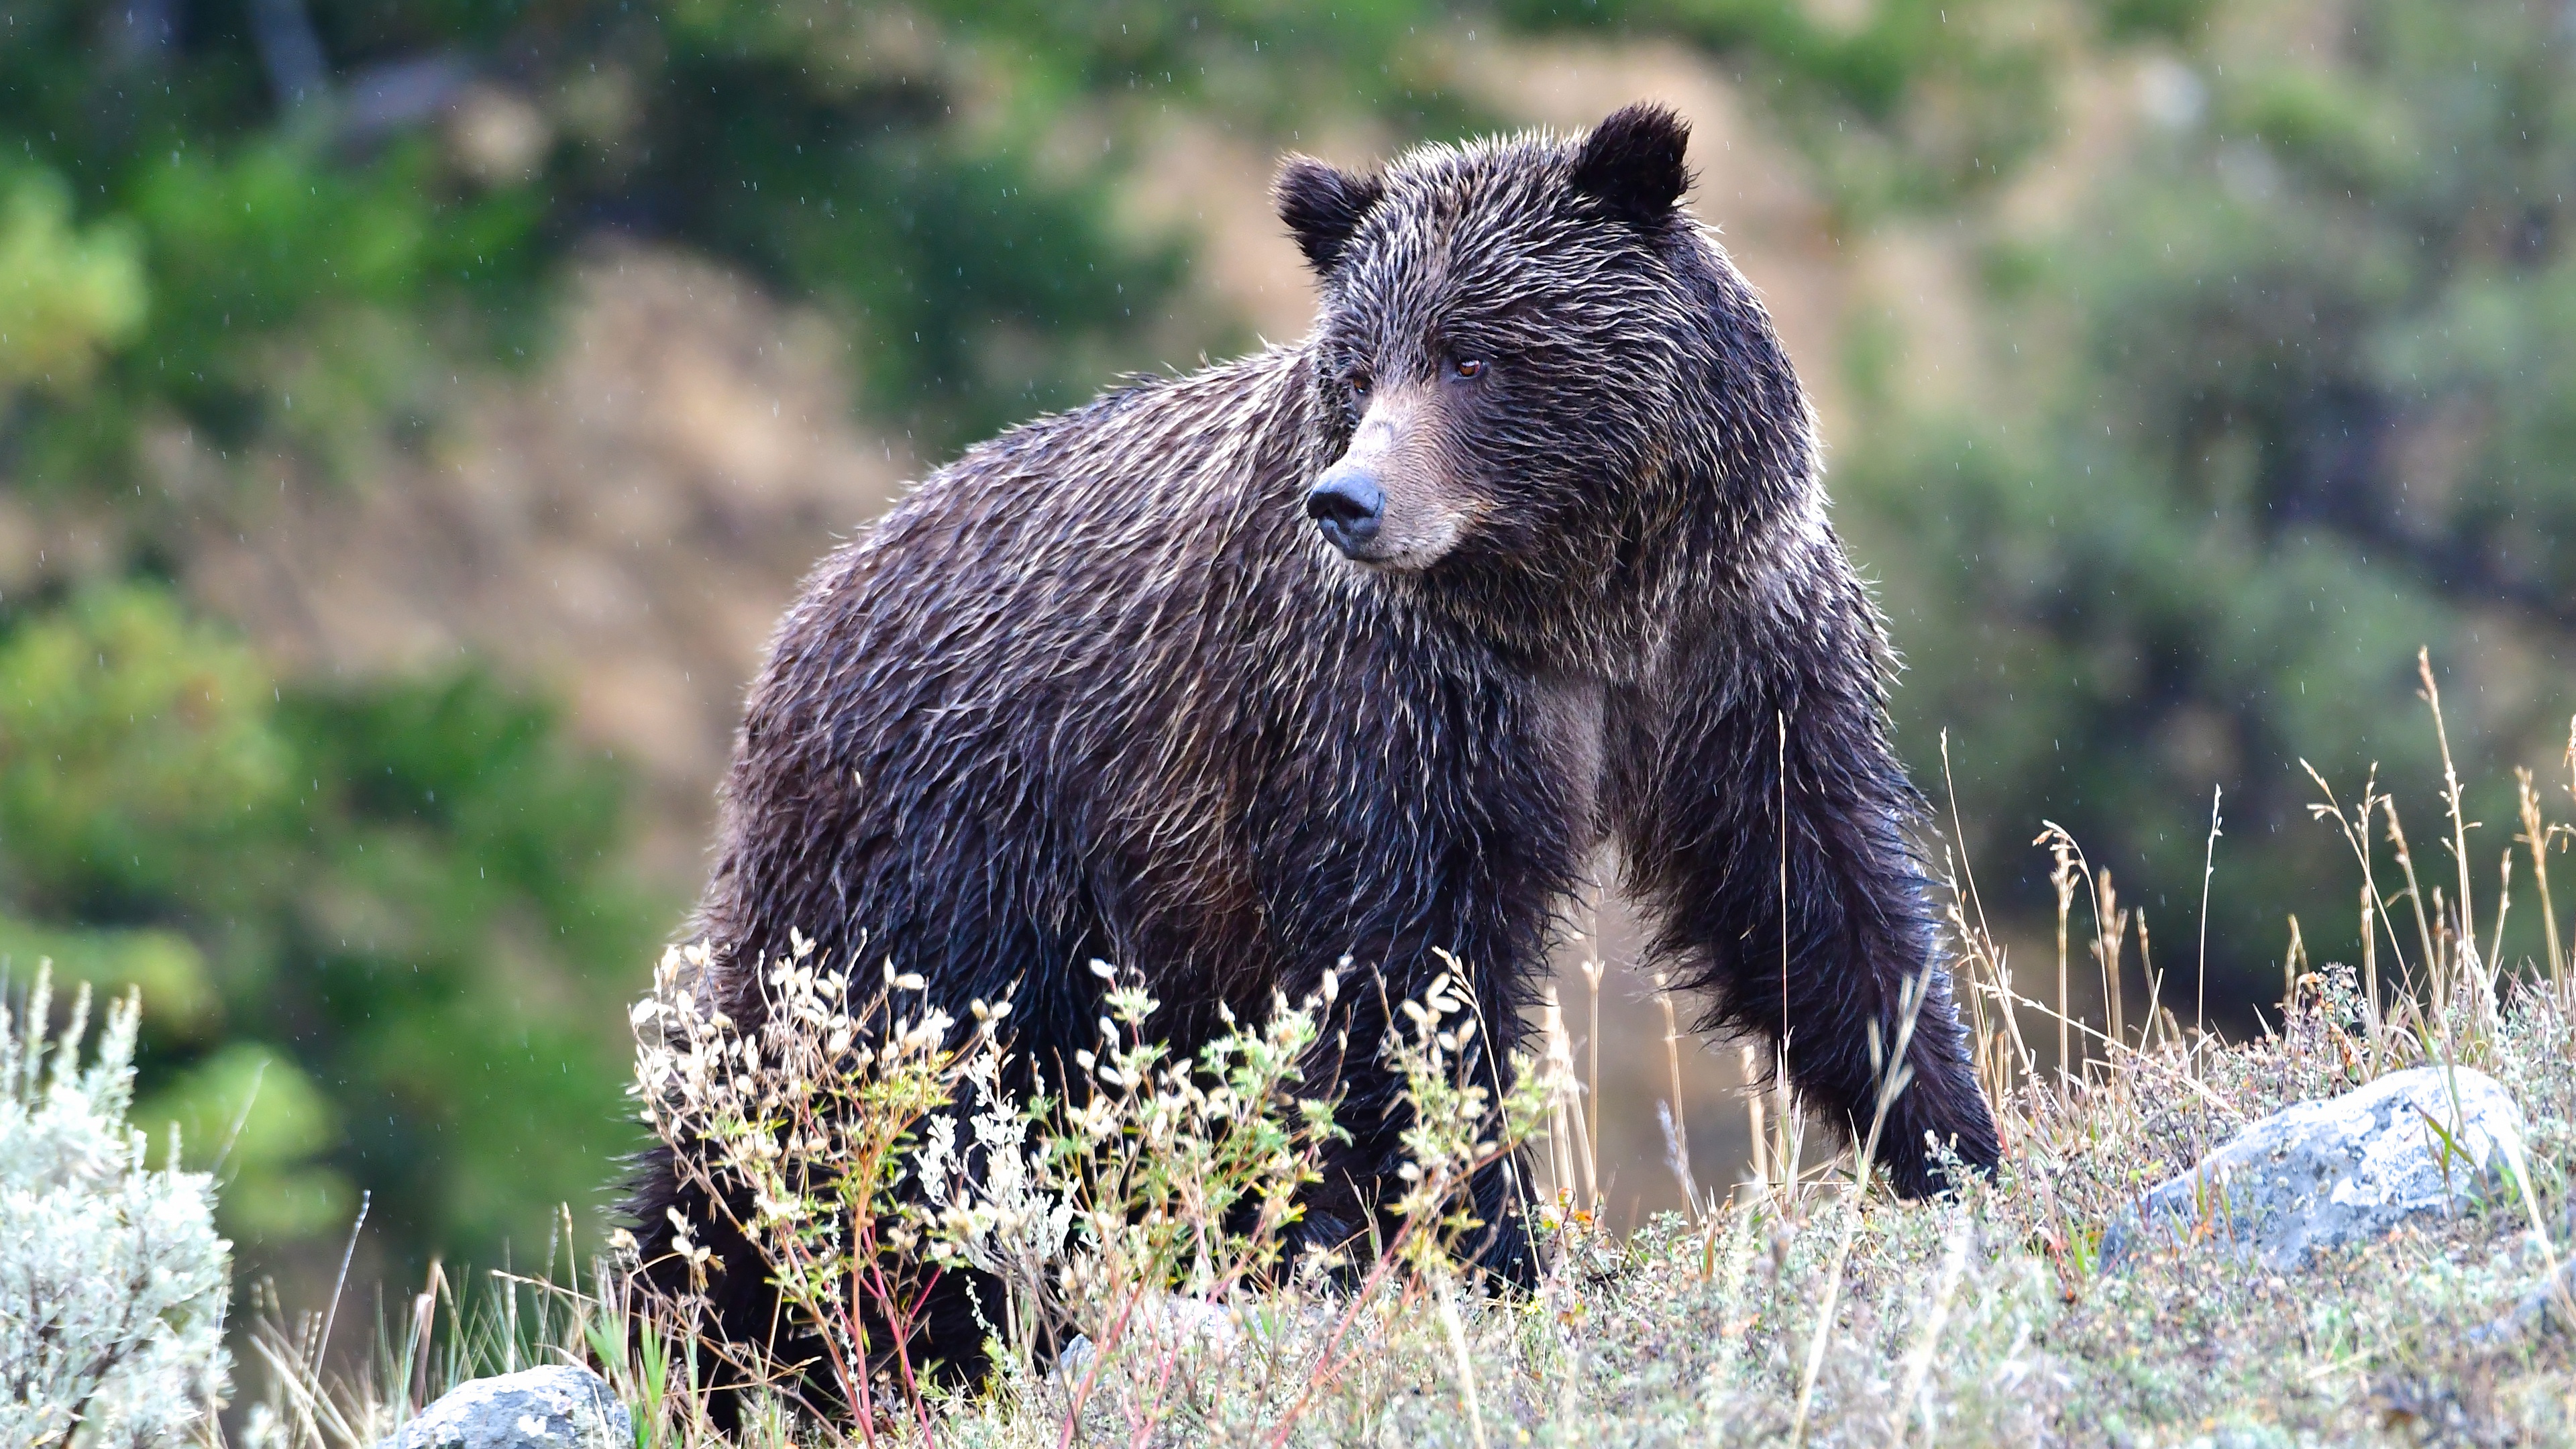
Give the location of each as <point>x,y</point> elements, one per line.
<point>1466,369</point>
<point>1360,384</point>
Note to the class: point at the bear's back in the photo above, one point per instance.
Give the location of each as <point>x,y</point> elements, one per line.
<point>1053,639</point>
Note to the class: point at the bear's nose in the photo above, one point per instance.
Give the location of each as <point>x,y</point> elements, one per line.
<point>1347,505</point>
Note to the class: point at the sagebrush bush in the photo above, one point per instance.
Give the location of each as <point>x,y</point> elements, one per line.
<point>113,1283</point>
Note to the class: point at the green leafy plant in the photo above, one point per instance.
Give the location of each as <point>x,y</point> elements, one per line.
<point>330,898</point>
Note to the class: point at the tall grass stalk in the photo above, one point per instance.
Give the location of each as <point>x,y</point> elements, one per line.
<point>1676,1129</point>
<point>2061,878</point>
<point>2208,870</point>
<point>2468,918</point>
<point>2536,837</point>
<point>1592,968</point>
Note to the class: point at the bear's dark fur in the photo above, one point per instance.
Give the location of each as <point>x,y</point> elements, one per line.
<point>1360,648</point>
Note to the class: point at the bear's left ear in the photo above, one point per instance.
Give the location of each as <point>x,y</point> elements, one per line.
<point>1323,205</point>
<point>1632,163</point>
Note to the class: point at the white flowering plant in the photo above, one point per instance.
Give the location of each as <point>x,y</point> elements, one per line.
<point>799,1130</point>
<point>1147,1177</point>
<point>864,1143</point>
<point>113,1282</point>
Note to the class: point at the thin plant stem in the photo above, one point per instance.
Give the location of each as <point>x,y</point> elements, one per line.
<point>2107,941</point>
<point>2504,904</point>
<point>2435,977</point>
<point>1958,831</point>
<point>1560,1156</point>
<point>2294,962</point>
<point>1679,1146</point>
<point>2155,980</point>
<point>2450,795</point>
<point>1753,1113</point>
<point>2208,868</point>
<point>2535,837</point>
<point>2062,876</point>
<point>1783,765</point>
<point>2567,963</point>
<point>331,1315</point>
<point>1975,900</point>
<point>2356,834</point>
<point>2370,983</point>
<point>1788,1125</point>
<point>1586,1160</point>
<point>1593,966</point>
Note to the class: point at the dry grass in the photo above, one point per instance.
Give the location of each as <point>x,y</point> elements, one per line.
<point>1802,1306</point>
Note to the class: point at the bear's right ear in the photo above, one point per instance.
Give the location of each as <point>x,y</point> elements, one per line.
<point>1323,206</point>
<point>1632,163</point>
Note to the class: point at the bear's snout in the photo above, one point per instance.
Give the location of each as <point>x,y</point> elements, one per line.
<point>1392,501</point>
<point>1348,506</point>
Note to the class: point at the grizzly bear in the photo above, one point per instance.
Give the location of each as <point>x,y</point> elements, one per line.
<point>1360,650</point>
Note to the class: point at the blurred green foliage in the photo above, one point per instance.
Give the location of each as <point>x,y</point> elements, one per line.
<point>396,911</point>
<point>65,296</point>
<point>2289,398</point>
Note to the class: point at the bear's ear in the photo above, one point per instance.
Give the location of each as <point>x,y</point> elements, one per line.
<point>1322,205</point>
<point>1632,163</point>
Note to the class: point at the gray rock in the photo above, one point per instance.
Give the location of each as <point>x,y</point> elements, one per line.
<point>556,1407</point>
<point>2343,1170</point>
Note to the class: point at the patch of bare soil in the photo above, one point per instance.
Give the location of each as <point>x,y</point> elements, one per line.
<point>623,527</point>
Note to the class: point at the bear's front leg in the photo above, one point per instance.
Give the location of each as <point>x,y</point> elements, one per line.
<point>1764,821</point>
<point>1350,1213</point>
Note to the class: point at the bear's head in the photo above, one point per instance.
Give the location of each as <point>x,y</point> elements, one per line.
<point>1518,339</point>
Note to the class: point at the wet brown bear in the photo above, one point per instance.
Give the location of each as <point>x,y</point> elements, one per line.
<point>1363,647</point>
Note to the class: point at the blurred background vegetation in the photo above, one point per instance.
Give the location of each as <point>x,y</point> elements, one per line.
<point>474,378</point>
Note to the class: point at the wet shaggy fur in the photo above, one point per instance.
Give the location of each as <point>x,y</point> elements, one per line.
<point>1100,688</point>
